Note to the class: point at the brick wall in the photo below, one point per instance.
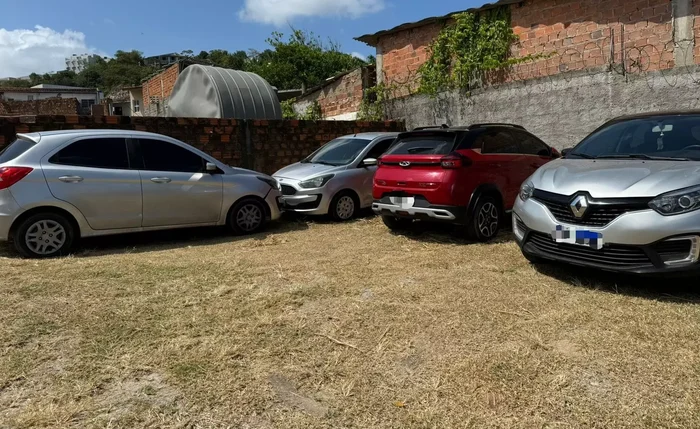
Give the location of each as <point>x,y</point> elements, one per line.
<point>575,34</point>
<point>264,146</point>
<point>50,106</point>
<point>339,98</point>
<point>157,90</point>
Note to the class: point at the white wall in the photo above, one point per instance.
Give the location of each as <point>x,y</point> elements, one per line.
<point>24,96</point>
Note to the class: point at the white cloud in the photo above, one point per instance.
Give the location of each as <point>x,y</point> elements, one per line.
<point>359,55</point>
<point>279,12</point>
<point>40,50</point>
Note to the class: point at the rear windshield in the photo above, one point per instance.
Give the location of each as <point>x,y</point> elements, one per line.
<point>15,149</point>
<point>423,145</point>
<point>338,152</point>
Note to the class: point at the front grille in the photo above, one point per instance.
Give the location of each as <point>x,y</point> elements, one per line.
<point>600,212</point>
<point>520,225</point>
<point>288,190</point>
<point>610,255</point>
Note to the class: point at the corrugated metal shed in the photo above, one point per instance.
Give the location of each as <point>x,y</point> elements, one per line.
<point>372,39</point>
<point>214,92</point>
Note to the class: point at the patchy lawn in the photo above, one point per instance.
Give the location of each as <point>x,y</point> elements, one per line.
<point>327,325</point>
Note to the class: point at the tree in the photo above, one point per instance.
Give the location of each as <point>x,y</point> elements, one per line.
<point>302,60</point>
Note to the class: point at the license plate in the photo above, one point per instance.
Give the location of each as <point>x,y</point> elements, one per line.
<point>403,202</point>
<point>579,237</point>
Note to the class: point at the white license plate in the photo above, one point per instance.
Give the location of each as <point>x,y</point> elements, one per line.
<point>579,237</point>
<point>403,202</point>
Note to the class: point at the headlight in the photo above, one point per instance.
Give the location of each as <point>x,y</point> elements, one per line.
<point>316,182</point>
<point>677,202</point>
<point>526,190</point>
<point>270,181</point>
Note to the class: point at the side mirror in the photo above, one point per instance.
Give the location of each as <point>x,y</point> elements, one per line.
<point>555,154</point>
<point>211,167</point>
<point>369,162</point>
<point>564,152</point>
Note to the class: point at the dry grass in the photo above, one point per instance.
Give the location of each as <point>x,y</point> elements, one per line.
<point>324,325</point>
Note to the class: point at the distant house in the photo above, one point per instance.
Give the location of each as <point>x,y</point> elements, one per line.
<point>87,97</point>
<point>77,63</point>
<point>126,101</point>
<point>162,60</point>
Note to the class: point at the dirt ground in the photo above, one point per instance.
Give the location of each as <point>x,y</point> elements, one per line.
<point>322,325</point>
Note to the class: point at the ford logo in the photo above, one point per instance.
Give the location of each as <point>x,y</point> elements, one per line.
<point>405,164</point>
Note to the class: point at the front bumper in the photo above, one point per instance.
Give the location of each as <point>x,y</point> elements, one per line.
<point>9,210</point>
<point>641,242</point>
<point>307,201</point>
<point>420,210</point>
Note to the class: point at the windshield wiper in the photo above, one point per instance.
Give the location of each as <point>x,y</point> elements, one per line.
<point>580,155</point>
<point>324,163</point>
<point>643,156</point>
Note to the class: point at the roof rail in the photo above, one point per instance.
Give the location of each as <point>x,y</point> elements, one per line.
<point>433,127</point>
<point>491,124</point>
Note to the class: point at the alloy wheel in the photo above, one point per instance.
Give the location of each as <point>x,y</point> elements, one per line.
<point>249,217</point>
<point>45,237</point>
<point>345,207</point>
<point>488,220</point>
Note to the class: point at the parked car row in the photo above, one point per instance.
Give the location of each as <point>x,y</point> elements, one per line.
<point>625,199</point>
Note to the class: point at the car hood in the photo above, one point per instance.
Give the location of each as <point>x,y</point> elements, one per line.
<point>616,178</point>
<point>302,171</point>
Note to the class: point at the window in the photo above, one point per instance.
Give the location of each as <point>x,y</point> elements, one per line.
<point>530,145</point>
<point>430,144</point>
<point>379,149</point>
<point>497,141</point>
<point>340,151</point>
<point>160,155</point>
<point>95,153</point>
<point>30,98</point>
<point>15,149</point>
<point>86,104</point>
<point>137,106</point>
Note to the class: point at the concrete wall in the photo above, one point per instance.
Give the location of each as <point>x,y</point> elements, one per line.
<point>561,109</point>
<point>264,146</point>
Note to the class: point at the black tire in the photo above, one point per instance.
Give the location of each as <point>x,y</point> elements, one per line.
<point>485,221</point>
<point>344,206</point>
<point>56,228</point>
<point>247,216</point>
<point>397,223</point>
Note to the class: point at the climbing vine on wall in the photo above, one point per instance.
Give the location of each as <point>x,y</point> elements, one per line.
<point>373,105</point>
<point>468,50</point>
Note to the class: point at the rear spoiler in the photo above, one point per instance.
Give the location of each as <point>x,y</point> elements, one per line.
<point>34,137</point>
<point>432,127</point>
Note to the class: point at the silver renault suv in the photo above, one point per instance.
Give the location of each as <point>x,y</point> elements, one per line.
<point>58,186</point>
<point>625,199</point>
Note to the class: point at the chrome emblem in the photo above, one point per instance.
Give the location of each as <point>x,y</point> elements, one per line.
<point>579,206</point>
<point>405,164</point>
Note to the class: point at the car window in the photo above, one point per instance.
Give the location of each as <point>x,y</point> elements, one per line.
<point>497,141</point>
<point>341,151</point>
<point>109,152</point>
<point>379,149</point>
<point>676,136</point>
<point>436,144</point>
<point>15,149</point>
<point>530,145</point>
<point>159,155</point>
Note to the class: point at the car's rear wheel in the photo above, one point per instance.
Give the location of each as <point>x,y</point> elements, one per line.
<point>485,221</point>
<point>397,223</point>
<point>247,217</point>
<point>344,206</point>
<point>44,235</point>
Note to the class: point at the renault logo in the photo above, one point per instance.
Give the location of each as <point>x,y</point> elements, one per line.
<point>405,164</point>
<point>579,206</point>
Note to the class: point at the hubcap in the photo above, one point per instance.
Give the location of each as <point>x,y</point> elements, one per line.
<point>249,217</point>
<point>488,220</point>
<point>45,237</point>
<point>345,207</point>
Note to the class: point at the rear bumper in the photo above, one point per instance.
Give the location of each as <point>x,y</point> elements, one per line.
<point>273,201</point>
<point>421,210</point>
<point>9,210</point>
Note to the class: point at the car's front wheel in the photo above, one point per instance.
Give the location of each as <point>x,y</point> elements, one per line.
<point>44,235</point>
<point>344,206</point>
<point>247,217</point>
<point>486,220</point>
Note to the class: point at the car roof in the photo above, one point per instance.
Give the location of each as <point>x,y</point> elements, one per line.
<point>38,135</point>
<point>657,113</point>
<point>370,135</point>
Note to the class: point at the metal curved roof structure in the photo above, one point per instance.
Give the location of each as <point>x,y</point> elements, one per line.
<point>214,92</point>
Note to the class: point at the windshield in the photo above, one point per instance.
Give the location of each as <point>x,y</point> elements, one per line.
<point>340,151</point>
<point>423,145</point>
<point>15,149</point>
<point>652,138</point>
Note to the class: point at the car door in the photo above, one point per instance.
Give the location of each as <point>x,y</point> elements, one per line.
<point>177,190</point>
<point>501,158</point>
<point>377,149</point>
<point>94,175</point>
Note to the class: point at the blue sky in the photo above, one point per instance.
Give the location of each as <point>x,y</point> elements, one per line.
<point>36,34</point>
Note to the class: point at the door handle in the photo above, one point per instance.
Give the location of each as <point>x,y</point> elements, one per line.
<point>70,179</point>
<point>161,180</point>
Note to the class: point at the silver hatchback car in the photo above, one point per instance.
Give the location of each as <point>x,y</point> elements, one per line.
<point>58,186</point>
<point>337,178</point>
<point>625,199</point>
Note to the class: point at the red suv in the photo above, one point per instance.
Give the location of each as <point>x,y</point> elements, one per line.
<point>469,176</point>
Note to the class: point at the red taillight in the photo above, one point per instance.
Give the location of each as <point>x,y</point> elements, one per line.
<point>11,175</point>
<point>451,162</point>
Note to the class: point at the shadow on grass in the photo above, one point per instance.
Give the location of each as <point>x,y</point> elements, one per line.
<point>434,232</point>
<point>165,240</point>
<point>669,289</point>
